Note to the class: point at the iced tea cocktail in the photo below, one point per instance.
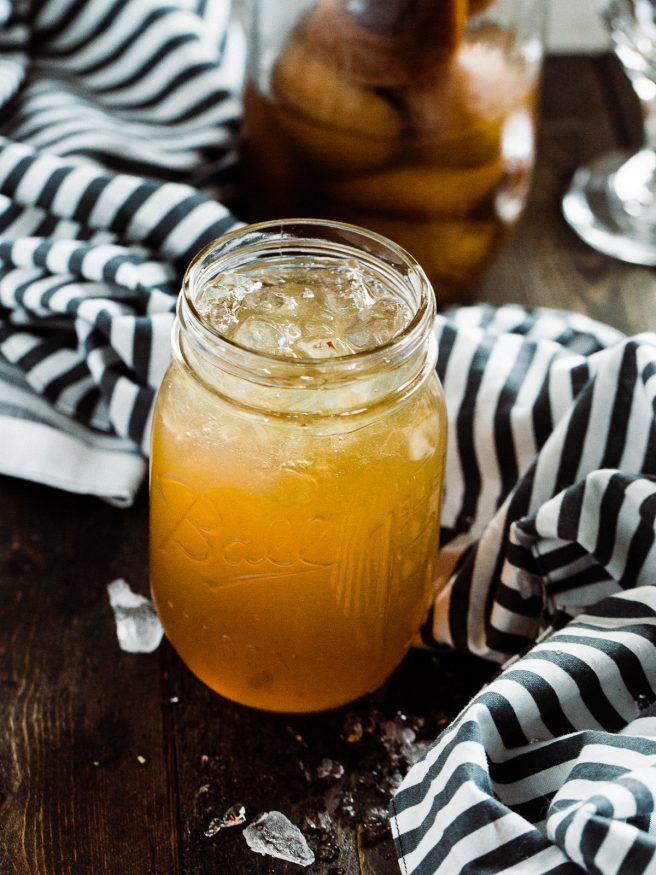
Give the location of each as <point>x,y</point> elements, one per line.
<point>415,118</point>
<point>297,462</point>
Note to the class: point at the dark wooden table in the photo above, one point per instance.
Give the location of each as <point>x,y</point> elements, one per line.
<point>117,763</point>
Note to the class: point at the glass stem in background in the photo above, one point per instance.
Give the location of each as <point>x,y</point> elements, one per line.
<point>611,202</point>
<point>634,183</point>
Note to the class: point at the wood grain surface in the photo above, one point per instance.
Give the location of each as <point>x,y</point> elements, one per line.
<point>117,763</point>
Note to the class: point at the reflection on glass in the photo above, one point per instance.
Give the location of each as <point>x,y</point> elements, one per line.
<point>611,202</point>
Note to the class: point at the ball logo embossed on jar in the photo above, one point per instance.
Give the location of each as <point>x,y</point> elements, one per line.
<point>199,532</point>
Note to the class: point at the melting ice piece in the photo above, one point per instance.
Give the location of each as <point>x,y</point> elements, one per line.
<point>395,735</point>
<point>375,825</point>
<point>260,334</point>
<point>378,325</point>
<point>137,626</point>
<point>273,834</point>
<point>328,768</point>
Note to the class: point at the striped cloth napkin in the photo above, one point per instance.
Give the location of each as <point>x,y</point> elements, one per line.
<point>118,128</point>
<point>118,123</point>
<point>550,515</point>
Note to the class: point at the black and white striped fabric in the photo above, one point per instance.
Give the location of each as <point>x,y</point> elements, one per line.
<point>118,124</point>
<point>552,767</point>
<point>552,455</point>
<point>550,515</point>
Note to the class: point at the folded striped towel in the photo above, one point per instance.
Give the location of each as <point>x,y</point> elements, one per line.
<point>118,126</point>
<point>550,514</point>
<point>551,770</point>
<point>117,150</point>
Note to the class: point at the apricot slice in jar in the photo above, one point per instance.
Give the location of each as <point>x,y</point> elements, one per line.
<point>334,122</point>
<point>388,43</point>
<point>333,150</point>
<point>457,115</point>
<point>420,190</point>
<point>451,252</point>
<point>315,89</point>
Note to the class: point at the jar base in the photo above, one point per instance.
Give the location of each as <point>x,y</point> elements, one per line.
<point>292,703</point>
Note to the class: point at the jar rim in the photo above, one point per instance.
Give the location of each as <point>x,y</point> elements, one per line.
<point>313,234</point>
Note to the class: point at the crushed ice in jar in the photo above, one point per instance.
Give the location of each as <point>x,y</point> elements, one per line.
<point>302,312</point>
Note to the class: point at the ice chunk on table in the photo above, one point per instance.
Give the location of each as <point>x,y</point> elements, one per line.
<point>276,836</point>
<point>137,626</point>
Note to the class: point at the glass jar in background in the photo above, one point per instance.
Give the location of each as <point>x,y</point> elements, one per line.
<point>297,462</point>
<point>414,118</point>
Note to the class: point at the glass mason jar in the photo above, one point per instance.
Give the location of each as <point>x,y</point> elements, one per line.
<point>414,118</point>
<point>295,499</point>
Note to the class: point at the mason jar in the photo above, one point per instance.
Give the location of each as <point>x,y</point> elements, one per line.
<point>413,118</point>
<point>297,460</point>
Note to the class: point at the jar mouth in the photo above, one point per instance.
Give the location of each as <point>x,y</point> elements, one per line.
<point>327,242</point>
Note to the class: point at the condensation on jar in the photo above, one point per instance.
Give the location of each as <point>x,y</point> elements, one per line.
<point>297,466</point>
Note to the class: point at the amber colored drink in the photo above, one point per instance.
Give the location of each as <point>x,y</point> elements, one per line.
<point>293,574</point>
<point>292,555</point>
